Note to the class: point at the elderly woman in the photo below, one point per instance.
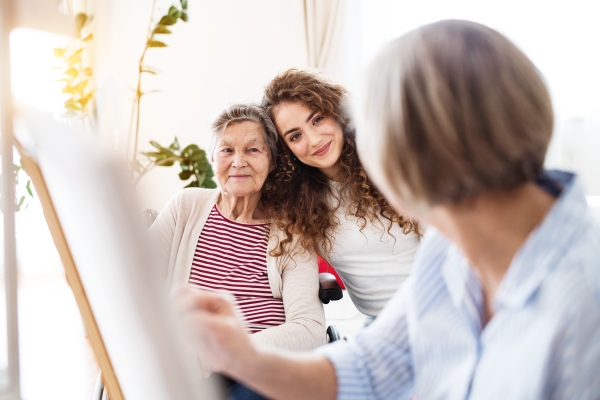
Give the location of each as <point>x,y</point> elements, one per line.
<point>503,301</point>
<point>220,239</point>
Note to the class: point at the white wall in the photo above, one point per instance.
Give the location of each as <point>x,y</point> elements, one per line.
<point>227,52</point>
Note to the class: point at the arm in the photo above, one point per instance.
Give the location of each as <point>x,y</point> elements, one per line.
<point>161,235</point>
<point>376,365</point>
<point>304,327</point>
<point>223,344</point>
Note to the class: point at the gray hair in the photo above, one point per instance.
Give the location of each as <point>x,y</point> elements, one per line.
<point>241,113</point>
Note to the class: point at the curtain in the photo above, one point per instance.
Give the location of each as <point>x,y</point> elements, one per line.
<point>324,23</point>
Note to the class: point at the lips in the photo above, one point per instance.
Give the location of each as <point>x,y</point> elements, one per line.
<point>323,149</point>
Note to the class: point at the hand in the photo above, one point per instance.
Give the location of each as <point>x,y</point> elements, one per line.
<point>216,331</point>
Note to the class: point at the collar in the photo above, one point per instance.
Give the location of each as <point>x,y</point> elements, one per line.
<point>548,242</point>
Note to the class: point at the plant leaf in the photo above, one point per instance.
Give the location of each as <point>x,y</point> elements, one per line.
<point>167,164</point>
<point>136,166</point>
<point>184,16</point>
<point>21,200</point>
<point>28,187</point>
<point>167,20</point>
<point>149,72</point>
<point>80,22</point>
<point>161,29</point>
<point>193,183</point>
<point>88,37</point>
<point>156,43</point>
<point>209,184</point>
<point>184,4</point>
<point>185,175</point>
<point>173,12</point>
<point>71,72</point>
<point>175,144</point>
<point>69,89</point>
<point>156,145</point>
<point>59,52</point>
<point>89,20</point>
<point>74,59</point>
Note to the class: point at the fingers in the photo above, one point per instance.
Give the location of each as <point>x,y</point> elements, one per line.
<point>214,303</point>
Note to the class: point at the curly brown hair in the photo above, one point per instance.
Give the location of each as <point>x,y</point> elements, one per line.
<point>299,196</point>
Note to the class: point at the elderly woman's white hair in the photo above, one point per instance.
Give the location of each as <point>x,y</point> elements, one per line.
<point>241,113</point>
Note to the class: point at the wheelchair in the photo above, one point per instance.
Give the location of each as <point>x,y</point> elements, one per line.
<point>329,290</point>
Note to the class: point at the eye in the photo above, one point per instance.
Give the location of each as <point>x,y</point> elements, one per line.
<point>295,137</point>
<point>253,150</point>
<point>317,120</point>
<point>226,150</point>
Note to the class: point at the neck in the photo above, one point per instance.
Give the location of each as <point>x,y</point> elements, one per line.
<point>332,173</point>
<point>245,209</point>
<point>491,228</point>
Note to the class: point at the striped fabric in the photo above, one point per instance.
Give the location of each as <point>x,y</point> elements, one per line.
<point>232,257</point>
<point>542,343</point>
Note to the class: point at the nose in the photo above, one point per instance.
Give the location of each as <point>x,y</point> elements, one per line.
<point>239,160</point>
<point>314,139</point>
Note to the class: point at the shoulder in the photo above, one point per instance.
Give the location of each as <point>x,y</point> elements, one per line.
<point>579,268</point>
<point>186,198</point>
<point>433,250</point>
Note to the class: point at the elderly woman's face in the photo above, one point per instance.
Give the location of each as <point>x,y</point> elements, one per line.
<point>242,159</point>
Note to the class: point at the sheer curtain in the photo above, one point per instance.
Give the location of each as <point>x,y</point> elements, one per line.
<point>324,24</point>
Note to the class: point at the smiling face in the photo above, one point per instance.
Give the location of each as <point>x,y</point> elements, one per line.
<point>242,159</point>
<point>315,139</point>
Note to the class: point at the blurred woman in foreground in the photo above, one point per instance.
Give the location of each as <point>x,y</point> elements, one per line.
<point>504,298</point>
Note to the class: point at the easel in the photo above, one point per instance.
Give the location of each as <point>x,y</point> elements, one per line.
<point>108,375</point>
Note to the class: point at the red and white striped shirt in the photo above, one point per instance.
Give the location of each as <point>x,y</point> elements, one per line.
<point>232,257</point>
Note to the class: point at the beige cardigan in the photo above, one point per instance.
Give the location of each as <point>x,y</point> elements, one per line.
<point>175,235</point>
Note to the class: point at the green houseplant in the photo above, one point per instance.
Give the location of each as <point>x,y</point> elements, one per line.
<point>191,159</point>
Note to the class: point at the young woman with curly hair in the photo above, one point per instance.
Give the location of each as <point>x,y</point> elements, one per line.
<point>323,196</point>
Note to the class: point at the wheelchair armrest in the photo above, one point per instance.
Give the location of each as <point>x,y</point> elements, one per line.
<point>329,288</point>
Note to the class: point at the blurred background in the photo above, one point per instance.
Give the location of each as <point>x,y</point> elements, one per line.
<point>131,72</point>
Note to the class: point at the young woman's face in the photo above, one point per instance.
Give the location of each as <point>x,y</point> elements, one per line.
<point>315,139</point>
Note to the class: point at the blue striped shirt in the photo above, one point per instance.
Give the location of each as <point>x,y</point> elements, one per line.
<point>542,343</point>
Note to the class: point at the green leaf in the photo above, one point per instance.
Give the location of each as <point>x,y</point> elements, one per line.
<point>59,52</point>
<point>21,201</point>
<point>28,187</point>
<point>184,4</point>
<point>184,16</point>
<point>72,72</point>
<point>156,145</point>
<point>185,175</point>
<point>193,183</point>
<point>173,12</point>
<point>136,166</point>
<point>149,72</point>
<point>200,177</point>
<point>80,21</point>
<point>167,20</point>
<point>209,184</point>
<point>156,43</point>
<point>167,164</point>
<point>175,144</point>
<point>161,29</point>
<point>88,37</point>
<point>187,152</point>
